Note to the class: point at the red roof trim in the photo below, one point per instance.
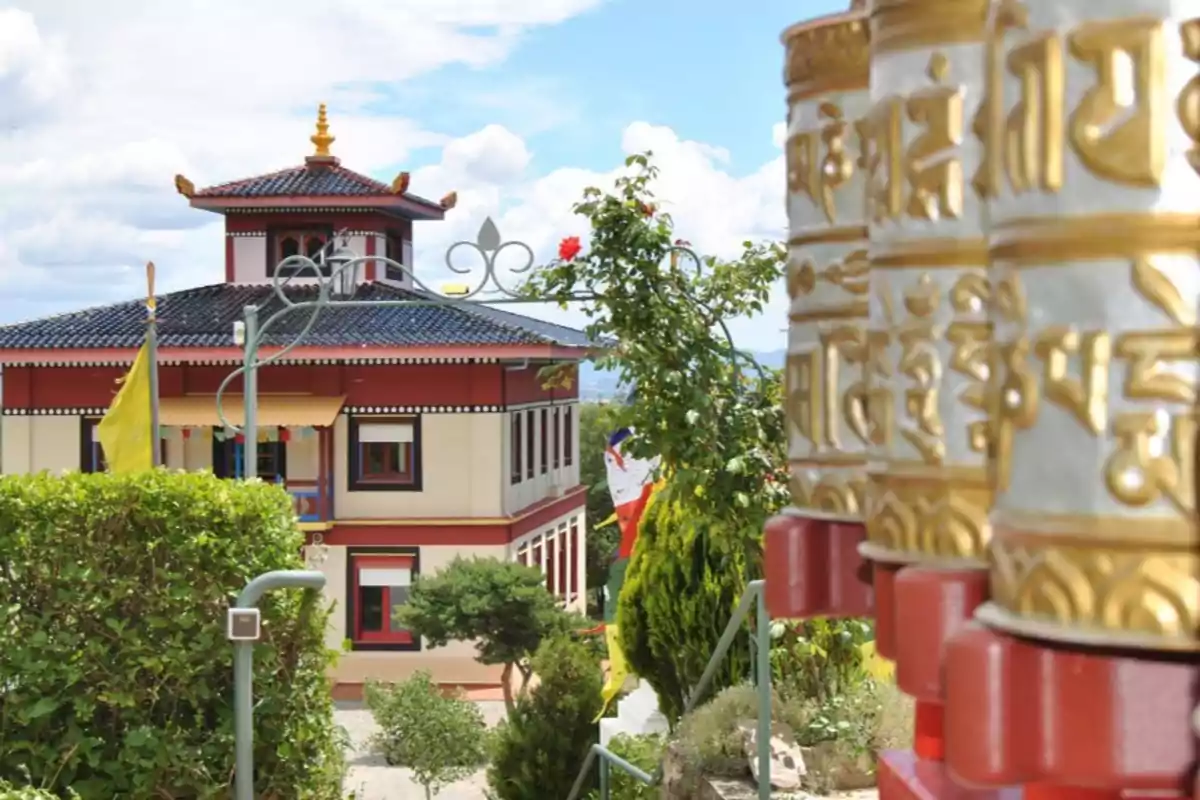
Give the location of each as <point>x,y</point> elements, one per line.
<point>416,206</point>
<point>190,354</point>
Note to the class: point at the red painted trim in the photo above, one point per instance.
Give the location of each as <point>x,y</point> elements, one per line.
<point>463,535</point>
<point>234,354</point>
<point>370,264</point>
<point>229,270</point>
<point>417,208</point>
<point>386,636</point>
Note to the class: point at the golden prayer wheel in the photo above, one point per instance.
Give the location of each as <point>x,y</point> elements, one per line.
<point>1090,132</point>
<point>827,75</point>
<point>928,340</point>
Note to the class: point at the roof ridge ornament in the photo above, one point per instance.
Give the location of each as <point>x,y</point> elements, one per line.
<point>321,140</point>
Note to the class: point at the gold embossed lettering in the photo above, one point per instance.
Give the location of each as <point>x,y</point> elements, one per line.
<point>1118,130</point>
<point>931,163</point>
<point>1033,131</point>
<point>880,412</point>
<point>971,353</point>
<point>836,166</point>
<point>846,346</point>
<point>1188,105</point>
<point>803,163</point>
<point>1085,397</point>
<point>921,364</point>
<point>1144,468</point>
<point>988,122</point>
<point>1147,377</point>
<point>804,393</point>
<point>881,143</point>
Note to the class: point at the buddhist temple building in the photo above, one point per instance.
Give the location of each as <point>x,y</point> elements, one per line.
<point>406,435</point>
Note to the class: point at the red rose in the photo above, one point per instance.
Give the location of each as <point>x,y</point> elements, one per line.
<point>568,248</point>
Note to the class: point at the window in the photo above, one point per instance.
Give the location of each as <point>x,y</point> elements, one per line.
<point>545,442</point>
<point>385,454</point>
<point>379,580</point>
<point>568,436</point>
<point>516,448</point>
<point>91,454</point>
<point>529,442</point>
<point>554,420</point>
<point>228,460</point>
<point>398,249</point>
<point>286,243</point>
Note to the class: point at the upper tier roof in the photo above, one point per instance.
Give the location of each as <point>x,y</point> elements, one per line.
<point>320,181</point>
<point>204,317</point>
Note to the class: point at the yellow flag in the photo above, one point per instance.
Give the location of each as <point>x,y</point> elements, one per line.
<point>618,670</point>
<point>876,665</point>
<point>124,432</point>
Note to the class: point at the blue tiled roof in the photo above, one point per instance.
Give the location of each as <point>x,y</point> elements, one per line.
<point>204,317</point>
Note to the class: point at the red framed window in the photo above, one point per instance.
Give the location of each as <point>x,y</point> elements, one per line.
<point>566,550</point>
<point>297,242</point>
<point>552,546</point>
<point>545,441</point>
<point>385,454</point>
<point>535,553</point>
<point>530,442</point>
<point>555,433</point>
<point>516,448</point>
<point>576,544</point>
<point>379,584</point>
<point>568,435</point>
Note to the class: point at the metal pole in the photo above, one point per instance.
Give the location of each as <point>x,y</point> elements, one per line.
<point>243,671</point>
<point>250,396</point>
<point>152,357</point>
<point>604,779</point>
<point>763,657</point>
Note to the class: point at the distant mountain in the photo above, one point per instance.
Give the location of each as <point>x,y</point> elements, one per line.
<point>597,384</point>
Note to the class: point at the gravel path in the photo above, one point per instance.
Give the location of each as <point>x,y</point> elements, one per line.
<point>370,778</point>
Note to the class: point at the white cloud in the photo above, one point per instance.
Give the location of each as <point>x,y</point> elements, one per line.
<point>113,105</point>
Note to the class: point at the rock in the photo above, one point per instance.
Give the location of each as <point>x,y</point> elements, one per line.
<point>787,762</point>
<point>845,776</point>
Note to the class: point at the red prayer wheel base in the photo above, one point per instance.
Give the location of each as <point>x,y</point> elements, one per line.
<point>903,775</point>
<point>813,569</point>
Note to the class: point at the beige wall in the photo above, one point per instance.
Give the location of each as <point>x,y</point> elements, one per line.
<point>454,663</point>
<point>33,444</point>
<point>530,490</point>
<point>461,469</point>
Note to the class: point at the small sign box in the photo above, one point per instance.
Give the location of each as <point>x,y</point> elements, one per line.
<point>243,625</point>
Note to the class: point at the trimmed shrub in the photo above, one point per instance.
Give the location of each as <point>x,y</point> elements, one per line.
<point>541,746</point>
<point>442,738</point>
<point>117,677</point>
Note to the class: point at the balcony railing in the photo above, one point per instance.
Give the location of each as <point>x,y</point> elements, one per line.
<point>312,499</point>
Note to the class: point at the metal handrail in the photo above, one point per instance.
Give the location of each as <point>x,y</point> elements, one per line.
<point>754,594</point>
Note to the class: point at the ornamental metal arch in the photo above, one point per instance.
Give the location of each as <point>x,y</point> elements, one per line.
<point>336,272</point>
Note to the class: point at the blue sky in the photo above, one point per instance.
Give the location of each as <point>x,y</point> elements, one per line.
<point>709,69</point>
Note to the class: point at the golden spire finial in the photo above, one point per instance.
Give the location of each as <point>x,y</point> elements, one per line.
<point>321,138</point>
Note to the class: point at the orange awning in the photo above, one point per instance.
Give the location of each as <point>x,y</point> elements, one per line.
<point>273,410</point>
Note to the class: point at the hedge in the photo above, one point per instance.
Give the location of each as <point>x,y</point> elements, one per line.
<point>115,674</point>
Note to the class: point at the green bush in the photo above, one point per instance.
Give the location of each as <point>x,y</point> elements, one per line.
<point>10,792</point>
<point>117,676</point>
<point>685,579</point>
<point>645,752</point>
<point>818,659</point>
<point>441,738</point>
<point>541,746</point>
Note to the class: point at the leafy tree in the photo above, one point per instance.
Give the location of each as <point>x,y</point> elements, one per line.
<point>501,605</point>
<point>596,422</point>
<point>712,413</point>
<point>541,746</point>
<point>441,738</point>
